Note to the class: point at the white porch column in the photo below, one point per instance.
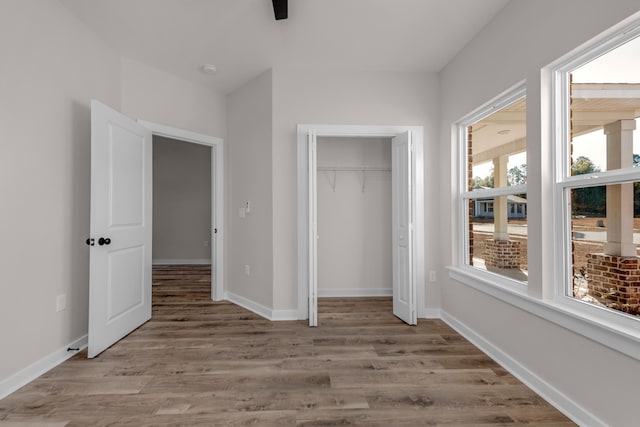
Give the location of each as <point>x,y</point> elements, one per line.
<point>500,214</point>
<point>620,196</point>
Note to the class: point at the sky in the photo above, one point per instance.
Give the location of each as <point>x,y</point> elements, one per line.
<point>621,65</point>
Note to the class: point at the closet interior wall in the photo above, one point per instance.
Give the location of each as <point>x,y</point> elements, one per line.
<point>354,217</point>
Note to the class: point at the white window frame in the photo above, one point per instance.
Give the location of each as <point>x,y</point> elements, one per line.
<point>564,183</point>
<point>544,296</point>
<point>505,99</point>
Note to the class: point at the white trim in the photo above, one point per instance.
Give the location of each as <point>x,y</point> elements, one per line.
<point>283,315</point>
<point>616,176</point>
<point>181,261</point>
<point>261,310</point>
<point>33,371</point>
<point>180,134</point>
<point>463,196</point>
<point>611,329</point>
<point>430,313</point>
<point>504,99</point>
<point>604,42</point>
<point>495,192</point>
<point>217,196</point>
<point>354,292</point>
<point>312,220</point>
<point>605,326</point>
<point>417,185</point>
<point>250,305</point>
<point>563,403</point>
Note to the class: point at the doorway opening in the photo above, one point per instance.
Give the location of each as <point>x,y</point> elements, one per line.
<point>188,203</point>
<point>120,285</point>
<point>182,226</point>
<point>182,229</point>
<point>354,218</point>
<point>407,212</point>
<point>354,227</point>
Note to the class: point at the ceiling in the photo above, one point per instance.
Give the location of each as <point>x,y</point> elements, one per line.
<point>242,39</point>
<point>501,133</point>
<point>593,105</point>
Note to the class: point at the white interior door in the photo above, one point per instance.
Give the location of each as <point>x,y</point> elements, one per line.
<point>120,240</point>
<point>313,230</point>
<point>404,293</point>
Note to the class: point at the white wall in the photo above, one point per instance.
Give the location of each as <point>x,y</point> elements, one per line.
<point>249,169</point>
<point>181,201</point>
<point>310,96</point>
<point>523,38</point>
<point>156,96</point>
<point>51,67</point>
<point>354,248</point>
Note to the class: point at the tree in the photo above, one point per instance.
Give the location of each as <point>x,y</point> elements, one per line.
<point>583,165</point>
<point>517,175</point>
<point>487,181</point>
<point>588,200</point>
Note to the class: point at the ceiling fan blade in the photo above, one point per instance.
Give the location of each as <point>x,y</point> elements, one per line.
<point>280,9</point>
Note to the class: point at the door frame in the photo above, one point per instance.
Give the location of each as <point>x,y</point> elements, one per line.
<point>217,195</point>
<point>305,230</point>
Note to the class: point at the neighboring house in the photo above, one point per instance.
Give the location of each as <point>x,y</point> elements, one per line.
<point>516,207</point>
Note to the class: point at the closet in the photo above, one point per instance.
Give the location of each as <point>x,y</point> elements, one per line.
<point>354,216</point>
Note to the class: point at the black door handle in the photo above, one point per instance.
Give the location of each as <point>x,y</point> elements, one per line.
<point>90,242</point>
<point>103,241</point>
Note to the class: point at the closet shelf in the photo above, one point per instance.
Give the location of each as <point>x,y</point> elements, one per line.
<point>362,169</point>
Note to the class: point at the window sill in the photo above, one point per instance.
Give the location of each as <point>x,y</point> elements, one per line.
<point>610,329</point>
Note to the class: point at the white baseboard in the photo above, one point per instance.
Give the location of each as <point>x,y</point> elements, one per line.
<point>284,315</point>
<point>33,371</point>
<point>181,261</point>
<point>563,403</point>
<point>429,313</point>
<point>354,292</point>
<point>253,306</point>
<point>260,309</point>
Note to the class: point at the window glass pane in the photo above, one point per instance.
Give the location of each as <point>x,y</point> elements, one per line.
<point>605,238</point>
<point>496,147</point>
<point>498,242</point>
<point>605,105</point>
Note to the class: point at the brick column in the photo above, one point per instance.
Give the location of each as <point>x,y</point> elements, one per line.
<point>615,281</point>
<point>614,276</point>
<point>502,254</point>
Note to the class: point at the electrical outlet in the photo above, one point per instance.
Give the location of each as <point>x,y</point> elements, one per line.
<point>61,302</point>
<point>242,212</point>
<point>247,270</point>
<point>206,243</point>
<point>432,275</point>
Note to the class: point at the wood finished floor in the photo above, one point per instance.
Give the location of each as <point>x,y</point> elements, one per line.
<point>200,363</point>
